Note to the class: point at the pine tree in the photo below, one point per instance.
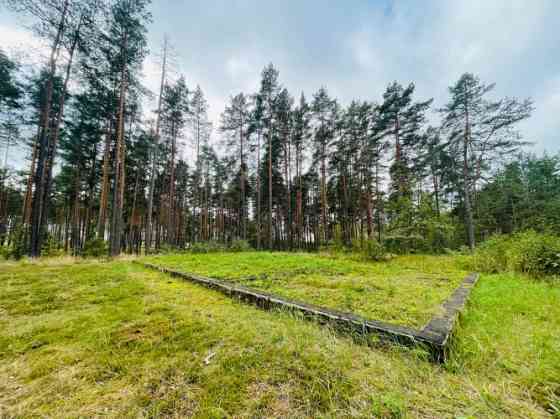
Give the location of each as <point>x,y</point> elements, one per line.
<point>201,128</point>
<point>266,99</point>
<point>174,114</point>
<point>235,123</point>
<point>478,130</point>
<point>301,135</point>
<point>149,223</point>
<point>323,109</point>
<point>129,18</point>
<point>402,119</point>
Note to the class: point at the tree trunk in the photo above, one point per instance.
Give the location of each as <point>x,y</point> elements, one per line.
<point>55,134</point>
<point>469,223</point>
<point>324,235</point>
<point>378,201</point>
<point>104,198</point>
<point>288,192</point>
<point>76,215</point>
<point>259,189</point>
<point>149,227</point>
<point>132,221</point>
<point>436,193</point>
<point>242,185</point>
<point>26,216</point>
<point>40,173</point>
<point>171,233</point>
<point>118,192</point>
<point>269,189</point>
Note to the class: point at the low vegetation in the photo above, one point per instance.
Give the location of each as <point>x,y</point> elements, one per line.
<point>535,254</point>
<point>83,338</point>
<point>406,290</point>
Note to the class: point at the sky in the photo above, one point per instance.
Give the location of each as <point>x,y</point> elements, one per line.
<point>356,48</point>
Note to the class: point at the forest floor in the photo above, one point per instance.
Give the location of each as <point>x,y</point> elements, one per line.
<point>83,338</point>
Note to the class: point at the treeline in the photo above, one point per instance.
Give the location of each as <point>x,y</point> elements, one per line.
<point>279,172</point>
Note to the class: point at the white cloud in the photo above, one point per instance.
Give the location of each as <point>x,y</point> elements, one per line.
<point>14,37</point>
<point>502,41</point>
<point>21,44</point>
<point>238,67</point>
<point>356,51</point>
<point>545,124</point>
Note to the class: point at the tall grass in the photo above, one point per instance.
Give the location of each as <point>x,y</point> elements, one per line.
<point>527,252</point>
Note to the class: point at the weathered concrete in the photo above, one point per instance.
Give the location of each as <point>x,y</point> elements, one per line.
<point>434,336</point>
<point>441,325</point>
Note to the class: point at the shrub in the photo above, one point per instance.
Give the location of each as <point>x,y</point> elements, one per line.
<point>51,248</point>
<point>5,252</point>
<point>373,250</point>
<point>18,249</point>
<point>333,247</point>
<point>527,252</point>
<point>95,248</point>
<point>240,246</point>
<point>399,244</point>
<point>207,247</point>
<point>369,249</point>
<point>165,248</point>
<point>438,235</point>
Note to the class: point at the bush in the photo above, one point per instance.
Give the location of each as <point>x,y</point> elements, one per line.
<point>369,249</point>
<point>333,247</point>
<point>95,248</point>
<point>18,249</point>
<point>240,246</point>
<point>165,248</point>
<point>51,248</point>
<point>438,235</point>
<point>527,252</point>
<point>399,244</point>
<point>373,250</point>
<point>5,252</point>
<point>207,247</point>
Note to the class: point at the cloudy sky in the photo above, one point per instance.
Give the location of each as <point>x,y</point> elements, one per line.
<point>356,47</point>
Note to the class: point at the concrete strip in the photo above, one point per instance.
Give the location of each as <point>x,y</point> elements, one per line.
<point>434,336</point>
<point>441,325</point>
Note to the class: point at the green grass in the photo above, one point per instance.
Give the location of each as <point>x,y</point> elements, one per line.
<point>114,340</point>
<point>407,290</point>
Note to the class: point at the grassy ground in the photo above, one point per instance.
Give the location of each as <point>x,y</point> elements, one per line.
<point>114,340</point>
<point>408,290</point>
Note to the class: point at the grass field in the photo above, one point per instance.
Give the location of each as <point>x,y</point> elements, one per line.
<point>115,340</point>
<point>406,291</point>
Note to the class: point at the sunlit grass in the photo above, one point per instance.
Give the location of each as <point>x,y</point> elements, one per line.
<point>115,340</point>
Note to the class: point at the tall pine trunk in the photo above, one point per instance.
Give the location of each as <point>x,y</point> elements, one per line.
<point>242,215</point>
<point>118,191</point>
<point>55,133</point>
<point>469,223</point>
<point>259,229</point>
<point>40,177</point>
<point>324,223</point>
<point>171,233</point>
<point>269,189</point>
<point>104,198</point>
<point>149,222</point>
<point>26,216</point>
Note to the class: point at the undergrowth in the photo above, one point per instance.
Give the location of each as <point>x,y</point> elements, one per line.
<point>114,340</point>
<point>531,253</point>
